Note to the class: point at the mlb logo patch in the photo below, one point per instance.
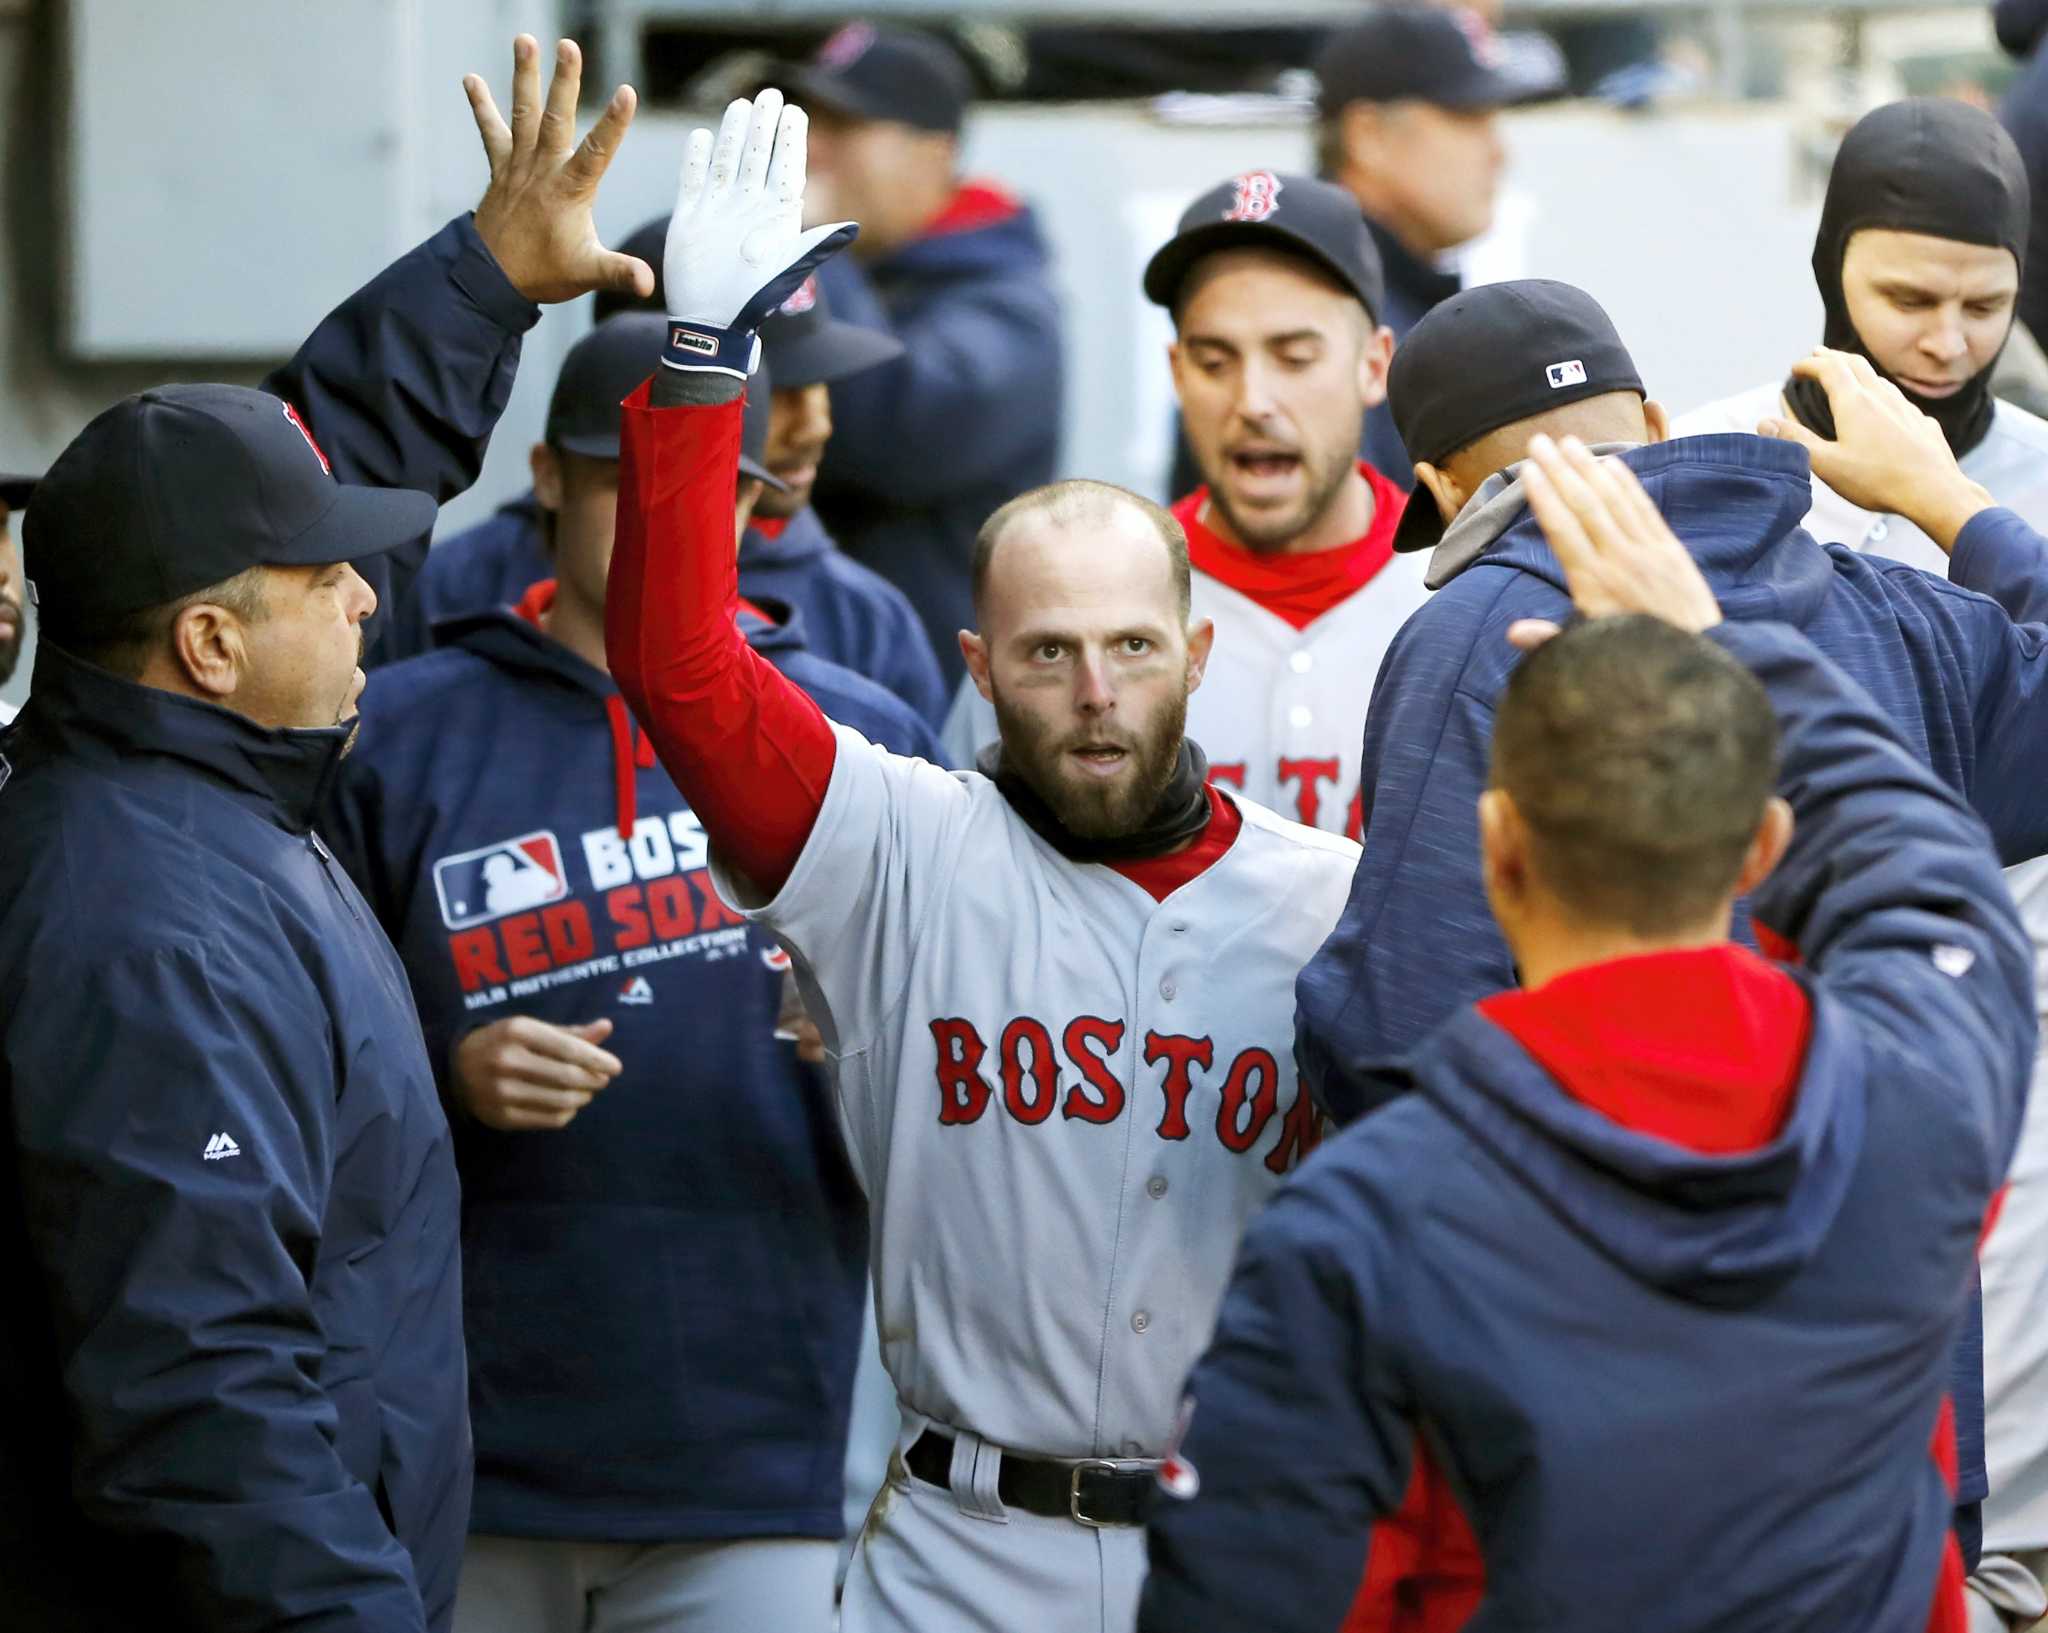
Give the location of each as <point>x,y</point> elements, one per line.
<point>508,877</point>
<point>1571,372</point>
<point>1257,197</point>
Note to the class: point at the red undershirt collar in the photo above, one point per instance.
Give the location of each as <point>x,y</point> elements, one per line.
<point>1160,876</point>
<point>1297,588</point>
<point>770,527</point>
<point>973,204</point>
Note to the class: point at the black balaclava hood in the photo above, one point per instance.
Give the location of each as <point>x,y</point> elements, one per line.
<point>1926,165</point>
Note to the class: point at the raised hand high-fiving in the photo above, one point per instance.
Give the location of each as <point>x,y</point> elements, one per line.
<point>535,215</point>
<point>736,244</point>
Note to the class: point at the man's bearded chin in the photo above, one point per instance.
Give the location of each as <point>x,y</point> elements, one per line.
<point>1087,809</point>
<point>10,653</point>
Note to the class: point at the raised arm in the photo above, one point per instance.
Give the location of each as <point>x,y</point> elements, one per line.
<point>751,753</point>
<point>402,384</point>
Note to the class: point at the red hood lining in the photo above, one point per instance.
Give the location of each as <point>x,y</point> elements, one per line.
<point>1703,1048</point>
<point>974,204</point>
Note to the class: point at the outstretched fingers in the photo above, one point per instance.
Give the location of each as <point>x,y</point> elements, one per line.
<point>557,132</point>
<point>490,124</point>
<point>525,93</point>
<point>1547,478</point>
<point>761,128</point>
<point>786,172</point>
<point>725,152</point>
<point>696,171</point>
<point>587,165</point>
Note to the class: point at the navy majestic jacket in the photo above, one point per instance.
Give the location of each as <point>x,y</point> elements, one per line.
<point>926,447</point>
<point>1666,1389</point>
<point>233,1307</point>
<point>403,383</point>
<point>664,1298</point>
<point>851,615</point>
<point>1965,686</point>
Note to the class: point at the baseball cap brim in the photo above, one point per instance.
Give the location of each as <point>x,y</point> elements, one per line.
<point>1421,526</point>
<point>16,490</point>
<point>596,446</point>
<point>1168,269</point>
<point>834,351</point>
<point>360,522</point>
<point>816,88</point>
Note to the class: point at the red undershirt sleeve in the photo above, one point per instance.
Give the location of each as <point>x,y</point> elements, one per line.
<point>750,751</point>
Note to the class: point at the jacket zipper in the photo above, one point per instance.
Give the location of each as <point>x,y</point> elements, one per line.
<point>327,866</point>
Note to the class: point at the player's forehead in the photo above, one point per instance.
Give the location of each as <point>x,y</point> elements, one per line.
<point>1921,262</point>
<point>1100,564</point>
<point>1256,296</point>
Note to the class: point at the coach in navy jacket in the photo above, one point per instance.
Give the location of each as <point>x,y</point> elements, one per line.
<point>1629,1303</point>
<point>232,1352</point>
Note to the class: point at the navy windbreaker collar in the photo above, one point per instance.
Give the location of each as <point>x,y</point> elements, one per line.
<point>81,710</point>
<point>1001,246</point>
<point>804,538</point>
<point>1712,1229</point>
<point>1738,501</point>
<point>519,644</point>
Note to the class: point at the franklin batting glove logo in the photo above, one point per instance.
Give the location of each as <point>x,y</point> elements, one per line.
<point>1258,197</point>
<point>1571,372</point>
<point>689,340</point>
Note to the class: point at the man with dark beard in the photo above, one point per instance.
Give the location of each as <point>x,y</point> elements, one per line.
<point>1922,241</point>
<point>1278,355</point>
<point>14,493</point>
<point>1056,991</point>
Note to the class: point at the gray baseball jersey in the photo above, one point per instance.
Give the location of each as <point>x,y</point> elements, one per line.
<point>1063,1097</point>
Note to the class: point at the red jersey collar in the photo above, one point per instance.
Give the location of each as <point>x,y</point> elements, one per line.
<point>1298,588</point>
<point>1160,876</point>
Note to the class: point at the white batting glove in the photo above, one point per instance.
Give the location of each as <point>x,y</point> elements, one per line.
<point>736,245</point>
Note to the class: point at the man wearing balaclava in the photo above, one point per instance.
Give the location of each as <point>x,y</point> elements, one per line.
<point>1921,248</point>
<point>1923,237</point>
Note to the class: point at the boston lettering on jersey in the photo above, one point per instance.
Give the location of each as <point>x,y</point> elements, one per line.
<point>1304,779</point>
<point>1028,1084</point>
<point>516,928</point>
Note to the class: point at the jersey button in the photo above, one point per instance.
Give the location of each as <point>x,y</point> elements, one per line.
<point>1302,662</point>
<point>1879,532</point>
<point>1167,989</point>
<point>1300,718</point>
<point>1140,1321</point>
<point>1155,1187</point>
<point>1180,927</point>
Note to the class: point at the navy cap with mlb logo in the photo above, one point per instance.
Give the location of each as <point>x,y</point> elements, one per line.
<point>1488,357</point>
<point>180,487</point>
<point>1444,55</point>
<point>865,72</point>
<point>1264,209</point>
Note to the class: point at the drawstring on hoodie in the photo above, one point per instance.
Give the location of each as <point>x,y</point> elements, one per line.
<point>629,758</point>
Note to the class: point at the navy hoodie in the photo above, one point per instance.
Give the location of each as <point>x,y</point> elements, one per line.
<point>1964,686</point>
<point>664,1298</point>
<point>926,446</point>
<point>233,1346</point>
<point>851,616</point>
<point>1664,1389</point>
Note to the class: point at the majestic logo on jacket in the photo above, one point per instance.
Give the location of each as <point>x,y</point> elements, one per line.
<point>1258,197</point>
<point>639,990</point>
<point>508,877</point>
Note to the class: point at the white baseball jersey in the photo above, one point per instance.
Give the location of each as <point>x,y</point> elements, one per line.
<point>1063,1097</point>
<point>1280,711</point>
<point>2012,464</point>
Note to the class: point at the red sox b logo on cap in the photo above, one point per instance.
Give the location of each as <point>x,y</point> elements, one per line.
<point>846,47</point>
<point>1485,44</point>
<point>803,300</point>
<point>1258,196</point>
<point>292,414</point>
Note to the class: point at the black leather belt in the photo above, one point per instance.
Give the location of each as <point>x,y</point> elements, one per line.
<point>1095,1491</point>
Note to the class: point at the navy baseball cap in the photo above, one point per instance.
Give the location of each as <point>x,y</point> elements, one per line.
<point>1426,53</point>
<point>606,367</point>
<point>184,486</point>
<point>865,72</point>
<point>15,490</point>
<point>1488,357</point>
<point>1263,209</point>
<point>807,346</point>
<point>648,241</point>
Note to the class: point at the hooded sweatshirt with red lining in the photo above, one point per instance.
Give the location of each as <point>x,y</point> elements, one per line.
<point>1629,1302</point>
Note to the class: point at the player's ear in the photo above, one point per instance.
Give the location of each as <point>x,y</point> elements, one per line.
<point>974,652</point>
<point>547,476</point>
<point>1201,641</point>
<point>1444,488</point>
<point>1375,357</point>
<point>1656,421</point>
